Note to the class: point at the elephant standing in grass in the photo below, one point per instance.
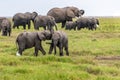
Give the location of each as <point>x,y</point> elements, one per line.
<point>23,19</point>
<point>59,39</point>
<point>70,25</point>
<point>89,23</point>
<point>47,22</point>
<point>1,19</point>
<point>62,15</point>
<point>5,27</point>
<point>27,40</point>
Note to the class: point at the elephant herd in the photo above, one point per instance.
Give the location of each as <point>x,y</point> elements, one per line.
<point>58,38</point>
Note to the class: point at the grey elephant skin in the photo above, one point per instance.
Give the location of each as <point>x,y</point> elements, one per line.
<point>5,25</point>
<point>27,40</point>
<point>62,15</point>
<point>89,23</point>
<point>60,40</point>
<point>47,22</point>
<point>70,25</point>
<point>1,19</point>
<point>23,19</point>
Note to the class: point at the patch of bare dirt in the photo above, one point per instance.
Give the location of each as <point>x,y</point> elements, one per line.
<point>107,57</point>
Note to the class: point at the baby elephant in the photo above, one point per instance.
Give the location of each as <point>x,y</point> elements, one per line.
<point>5,27</point>
<point>70,25</point>
<point>27,40</point>
<point>59,39</point>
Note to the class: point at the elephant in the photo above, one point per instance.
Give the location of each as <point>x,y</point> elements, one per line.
<point>26,40</point>
<point>70,25</point>
<point>89,23</point>
<point>64,14</point>
<point>1,19</point>
<point>23,19</point>
<point>6,27</point>
<point>47,22</point>
<point>59,39</point>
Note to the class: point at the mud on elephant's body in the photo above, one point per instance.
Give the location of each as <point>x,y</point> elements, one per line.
<point>23,19</point>
<point>89,23</point>
<point>59,39</point>
<point>5,25</point>
<point>27,40</point>
<point>47,22</point>
<point>62,15</point>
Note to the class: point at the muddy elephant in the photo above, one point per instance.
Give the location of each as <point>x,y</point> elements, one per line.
<point>89,23</point>
<point>5,27</point>
<point>59,39</point>
<point>70,25</point>
<point>27,40</point>
<point>47,22</point>
<point>62,15</point>
<point>23,19</point>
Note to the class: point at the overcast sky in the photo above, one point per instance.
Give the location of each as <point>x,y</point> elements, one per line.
<point>91,7</point>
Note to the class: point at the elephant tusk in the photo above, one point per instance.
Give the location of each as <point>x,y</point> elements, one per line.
<point>18,54</point>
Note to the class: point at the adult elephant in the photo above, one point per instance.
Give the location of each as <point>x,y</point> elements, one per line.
<point>47,22</point>
<point>27,40</point>
<point>59,39</point>
<point>6,27</point>
<point>62,15</point>
<point>89,23</point>
<point>23,19</point>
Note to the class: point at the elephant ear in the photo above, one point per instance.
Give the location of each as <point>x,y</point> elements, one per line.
<point>41,36</point>
<point>70,13</point>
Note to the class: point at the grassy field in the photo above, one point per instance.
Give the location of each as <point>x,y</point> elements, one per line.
<point>94,55</point>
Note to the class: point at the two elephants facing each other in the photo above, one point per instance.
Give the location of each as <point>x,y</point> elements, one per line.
<point>5,26</point>
<point>23,19</point>
<point>27,40</point>
<point>83,22</point>
<point>62,15</point>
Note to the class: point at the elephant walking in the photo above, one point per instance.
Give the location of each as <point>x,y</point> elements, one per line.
<point>27,40</point>
<point>62,15</point>
<point>59,39</point>
<point>89,23</point>
<point>23,19</point>
<point>47,22</point>
<point>5,25</point>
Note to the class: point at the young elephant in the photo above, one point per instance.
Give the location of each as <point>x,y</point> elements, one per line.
<point>27,40</point>
<point>5,27</point>
<point>70,25</point>
<point>59,39</point>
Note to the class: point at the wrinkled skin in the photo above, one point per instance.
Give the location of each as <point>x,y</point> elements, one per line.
<point>62,15</point>
<point>47,22</point>
<point>89,23</point>
<point>59,39</point>
<point>23,19</point>
<point>70,25</point>
<point>27,40</point>
<point>6,27</point>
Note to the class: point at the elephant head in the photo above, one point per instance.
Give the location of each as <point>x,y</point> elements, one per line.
<point>33,15</point>
<point>44,35</point>
<point>74,12</point>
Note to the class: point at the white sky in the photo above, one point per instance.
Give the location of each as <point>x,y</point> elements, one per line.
<point>91,7</point>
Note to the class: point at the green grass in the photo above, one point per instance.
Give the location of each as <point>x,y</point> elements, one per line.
<point>82,64</point>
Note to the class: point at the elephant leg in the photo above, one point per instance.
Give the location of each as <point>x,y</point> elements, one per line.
<point>36,51</point>
<point>51,48</point>
<point>63,24</point>
<point>61,49</point>
<point>66,49</point>
<point>24,26</point>
<point>41,49</point>
<point>29,24</point>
